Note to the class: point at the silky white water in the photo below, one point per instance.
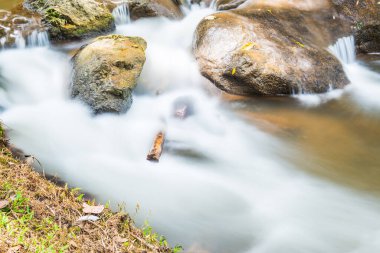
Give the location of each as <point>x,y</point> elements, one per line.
<point>364,88</point>
<point>121,13</point>
<point>221,184</point>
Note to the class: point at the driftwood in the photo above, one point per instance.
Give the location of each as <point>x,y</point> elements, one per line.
<point>156,150</point>
<point>183,108</point>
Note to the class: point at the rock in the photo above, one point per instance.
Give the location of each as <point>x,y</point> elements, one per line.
<point>154,8</point>
<point>106,72</point>
<point>73,19</point>
<point>265,51</point>
<point>228,4</point>
<point>368,39</point>
<point>364,18</point>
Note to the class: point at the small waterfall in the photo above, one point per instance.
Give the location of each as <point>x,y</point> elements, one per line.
<point>344,49</point>
<point>213,4</point>
<point>121,14</point>
<point>2,42</point>
<point>19,39</point>
<point>38,39</point>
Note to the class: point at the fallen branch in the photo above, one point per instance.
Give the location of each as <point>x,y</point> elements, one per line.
<point>156,151</point>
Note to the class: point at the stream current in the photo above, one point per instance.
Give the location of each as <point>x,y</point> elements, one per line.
<point>260,175</point>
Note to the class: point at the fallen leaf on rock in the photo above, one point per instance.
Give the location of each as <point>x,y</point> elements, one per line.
<point>210,17</point>
<point>4,203</point>
<point>92,209</point>
<point>233,72</point>
<point>248,46</point>
<point>88,218</point>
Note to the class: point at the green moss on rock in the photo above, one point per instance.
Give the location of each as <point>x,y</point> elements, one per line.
<point>73,19</point>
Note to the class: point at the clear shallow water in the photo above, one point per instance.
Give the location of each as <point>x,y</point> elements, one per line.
<point>9,4</point>
<point>229,182</point>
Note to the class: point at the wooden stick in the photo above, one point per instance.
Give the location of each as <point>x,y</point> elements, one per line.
<point>156,151</point>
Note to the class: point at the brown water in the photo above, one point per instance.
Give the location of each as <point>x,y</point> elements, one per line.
<point>337,140</point>
<point>9,4</point>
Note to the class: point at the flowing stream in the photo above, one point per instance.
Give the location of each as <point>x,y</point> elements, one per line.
<point>236,176</point>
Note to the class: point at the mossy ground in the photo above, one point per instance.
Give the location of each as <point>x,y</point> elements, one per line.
<point>42,217</point>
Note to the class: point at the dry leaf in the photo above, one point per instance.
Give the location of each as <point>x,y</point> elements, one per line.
<point>88,218</point>
<point>14,249</point>
<point>210,17</point>
<point>120,239</point>
<point>233,72</point>
<point>92,209</point>
<point>4,203</point>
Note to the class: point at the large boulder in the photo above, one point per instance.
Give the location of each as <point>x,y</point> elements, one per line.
<point>362,17</point>
<point>73,19</point>
<point>268,51</point>
<point>106,72</point>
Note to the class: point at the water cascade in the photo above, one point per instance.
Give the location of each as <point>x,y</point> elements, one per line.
<point>344,49</point>
<point>213,4</point>
<point>19,39</point>
<point>365,84</point>
<point>121,14</point>
<point>222,185</point>
<point>38,39</point>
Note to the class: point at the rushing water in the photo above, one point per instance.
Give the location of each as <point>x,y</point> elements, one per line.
<point>224,184</point>
<point>121,14</point>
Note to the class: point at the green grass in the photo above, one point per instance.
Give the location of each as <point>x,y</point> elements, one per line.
<point>42,217</point>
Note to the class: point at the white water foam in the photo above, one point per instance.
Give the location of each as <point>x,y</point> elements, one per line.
<point>221,184</point>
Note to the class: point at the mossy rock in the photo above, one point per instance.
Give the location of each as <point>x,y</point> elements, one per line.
<point>106,72</point>
<point>73,19</point>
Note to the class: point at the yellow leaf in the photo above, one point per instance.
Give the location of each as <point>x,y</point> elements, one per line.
<point>299,43</point>
<point>248,46</point>
<point>233,71</point>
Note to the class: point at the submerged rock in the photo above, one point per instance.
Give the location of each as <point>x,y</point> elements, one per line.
<point>263,51</point>
<point>106,72</point>
<point>73,19</point>
<point>154,8</point>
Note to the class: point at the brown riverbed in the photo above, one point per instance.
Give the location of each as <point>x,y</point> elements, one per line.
<point>337,140</point>
<point>9,4</point>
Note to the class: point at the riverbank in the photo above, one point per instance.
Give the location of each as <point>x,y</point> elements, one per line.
<point>39,216</point>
